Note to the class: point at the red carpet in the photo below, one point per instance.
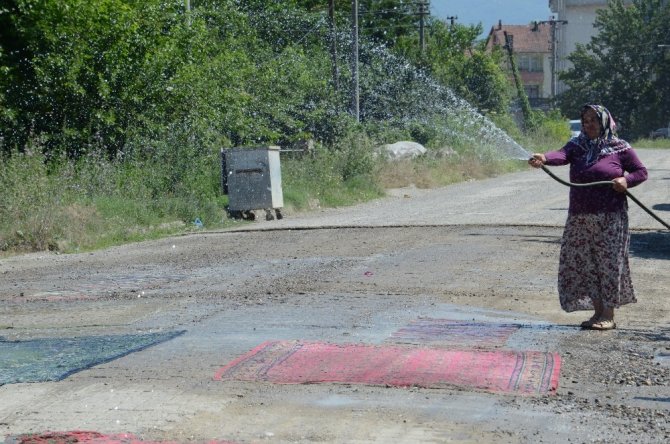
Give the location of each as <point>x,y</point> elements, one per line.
<point>295,362</point>
<point>88,437</point>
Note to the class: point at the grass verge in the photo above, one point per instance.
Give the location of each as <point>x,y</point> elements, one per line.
<point>67,207</point>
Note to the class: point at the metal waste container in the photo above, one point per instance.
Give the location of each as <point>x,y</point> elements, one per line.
<point>251,177</point>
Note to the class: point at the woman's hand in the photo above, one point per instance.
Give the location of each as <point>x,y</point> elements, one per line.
<point>537,160</point>
<point>619,184</point>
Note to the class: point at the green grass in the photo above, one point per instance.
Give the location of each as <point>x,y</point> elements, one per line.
<point>649,143</point>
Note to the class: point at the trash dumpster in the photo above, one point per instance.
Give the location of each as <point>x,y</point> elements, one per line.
<point>251,177</point>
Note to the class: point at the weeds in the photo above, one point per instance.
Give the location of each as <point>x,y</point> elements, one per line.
<point>652,143</point>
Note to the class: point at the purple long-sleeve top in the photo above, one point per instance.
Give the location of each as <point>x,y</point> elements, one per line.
<point>598,199</point>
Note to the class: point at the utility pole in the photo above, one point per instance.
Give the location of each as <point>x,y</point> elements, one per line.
<point>333,44</point>
<point>424,8</point>
<point>451,19</point>
<point>525,105</point>
<point>554,53</point>
<point>355,109</point>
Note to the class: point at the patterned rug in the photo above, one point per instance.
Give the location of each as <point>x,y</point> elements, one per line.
<point>296,362</point>
<point>81,436</point>
<point>454,334</point>
<point>54,359</point>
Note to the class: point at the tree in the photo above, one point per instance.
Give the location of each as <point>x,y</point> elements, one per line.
<point>387,20</point>
<point>383,21</point>
<point>455,59</point>
<point>623,66</point>
<point>136,78</point>
<point>77,59</point>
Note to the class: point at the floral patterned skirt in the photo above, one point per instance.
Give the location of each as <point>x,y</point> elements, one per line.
<point>594,262</point>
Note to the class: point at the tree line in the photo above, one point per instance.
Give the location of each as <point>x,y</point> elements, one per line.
<point>141,78</point>
<point>132,78</point>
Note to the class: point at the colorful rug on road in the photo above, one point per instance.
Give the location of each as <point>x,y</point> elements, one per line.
<point>454,334</point>
<point>296,362</point>
<point>53,359</point>
<point>80,436</point>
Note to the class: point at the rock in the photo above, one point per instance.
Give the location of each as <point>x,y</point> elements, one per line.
<point>403,150</point>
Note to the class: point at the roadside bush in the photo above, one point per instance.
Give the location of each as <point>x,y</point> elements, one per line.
<point>32,206</point>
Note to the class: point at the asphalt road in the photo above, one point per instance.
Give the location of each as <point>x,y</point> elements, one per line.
<point>525,198</point>
<point>484,252</point>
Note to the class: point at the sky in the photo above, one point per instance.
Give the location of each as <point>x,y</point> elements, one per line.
<point>488,12</point>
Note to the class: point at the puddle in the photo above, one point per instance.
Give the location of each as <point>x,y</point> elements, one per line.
<point>336,401</point>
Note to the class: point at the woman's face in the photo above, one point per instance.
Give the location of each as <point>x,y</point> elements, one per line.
<point>590,124</point>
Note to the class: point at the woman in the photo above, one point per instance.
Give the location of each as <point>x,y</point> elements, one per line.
<point>593,271</point>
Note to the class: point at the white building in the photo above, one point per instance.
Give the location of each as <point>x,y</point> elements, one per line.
<point>575,19</point>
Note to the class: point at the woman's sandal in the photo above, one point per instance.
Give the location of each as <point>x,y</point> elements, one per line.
<point>588,323</point>
<point>604,324</point>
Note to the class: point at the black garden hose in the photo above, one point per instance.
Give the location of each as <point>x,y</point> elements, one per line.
<point>604,183</point>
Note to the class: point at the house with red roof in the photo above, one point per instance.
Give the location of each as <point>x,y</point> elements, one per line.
<point>532,48</point>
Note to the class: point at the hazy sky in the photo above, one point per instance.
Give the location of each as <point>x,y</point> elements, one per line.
<point>488,12</point>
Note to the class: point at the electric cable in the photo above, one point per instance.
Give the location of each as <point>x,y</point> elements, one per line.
<point>604,183</point>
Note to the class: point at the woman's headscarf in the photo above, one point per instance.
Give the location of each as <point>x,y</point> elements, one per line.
<point>607,142</point>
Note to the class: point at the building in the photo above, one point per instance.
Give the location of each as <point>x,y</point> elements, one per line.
<point>574,24</point>
<point>531,45</point>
